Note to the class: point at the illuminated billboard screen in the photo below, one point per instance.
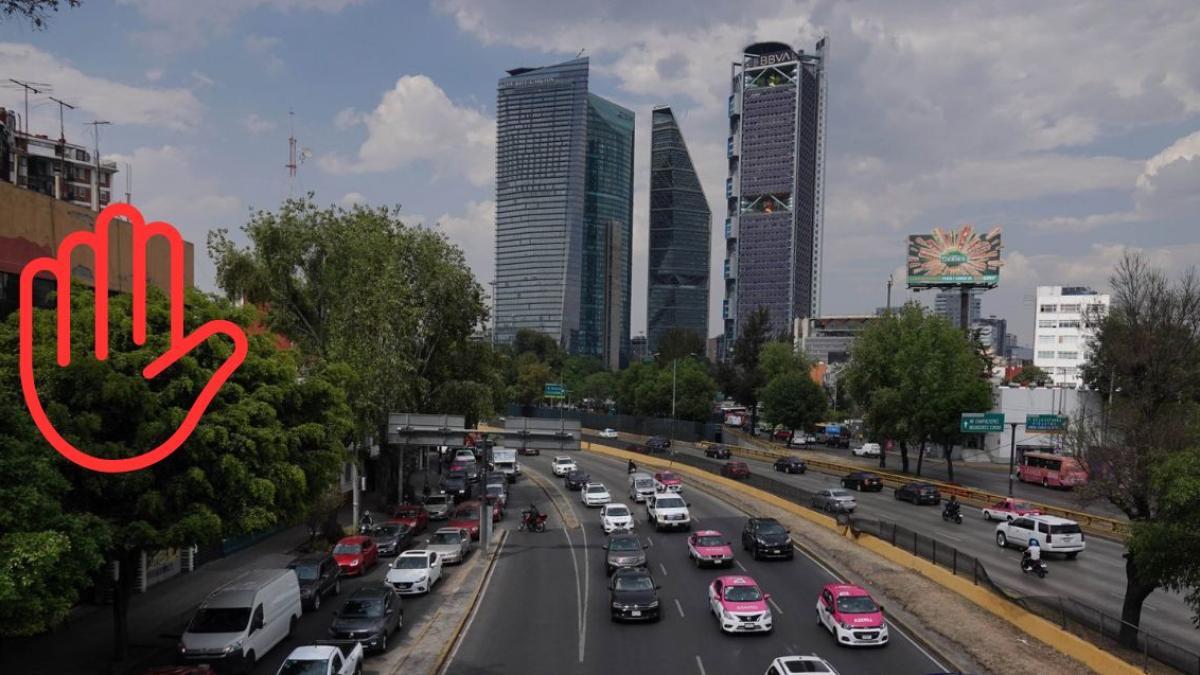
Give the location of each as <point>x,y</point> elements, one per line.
<point>954,257</point>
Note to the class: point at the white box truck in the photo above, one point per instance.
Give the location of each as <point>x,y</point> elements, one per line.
<point>504,460</point>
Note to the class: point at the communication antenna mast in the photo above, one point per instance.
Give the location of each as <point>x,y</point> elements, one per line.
<point>128,183</point>
<point>62,130</point>
<point>35,87</point>
<point>291,165</point>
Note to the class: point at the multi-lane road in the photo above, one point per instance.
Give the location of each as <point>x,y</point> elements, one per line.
<point>546,607</point>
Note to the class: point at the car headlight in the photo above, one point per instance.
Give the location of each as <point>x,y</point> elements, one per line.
<point>230,648</point>
<point>422,578</point>
<point>846,625</point>
<point>617,605</point>
<point>353,563</point>
<point>726,615</point>
<point>652,604</point>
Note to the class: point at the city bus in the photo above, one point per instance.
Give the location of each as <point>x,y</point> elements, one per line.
<point>1051,470</point>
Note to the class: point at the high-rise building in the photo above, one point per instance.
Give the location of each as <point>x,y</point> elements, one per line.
<point>1067,318</point>
<point>949,305</point>
<point>53,167</point>
<point>680,222</point>
<point>775,188</point>
<point>564,211</point>
<point>993,335</point>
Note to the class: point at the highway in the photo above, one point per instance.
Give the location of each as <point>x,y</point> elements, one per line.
<point>545,610</point>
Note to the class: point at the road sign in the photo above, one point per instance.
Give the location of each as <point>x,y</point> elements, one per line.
<point>554,391</point>
<point>1050,423</point>
<point>981,423</point>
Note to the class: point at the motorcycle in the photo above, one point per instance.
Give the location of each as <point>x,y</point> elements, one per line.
<point>1037,567</point>
<point>952,514</point>
<point>536,525</point>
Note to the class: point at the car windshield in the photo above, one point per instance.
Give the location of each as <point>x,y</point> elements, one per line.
<point>389,529</point>
<point>709,540</point>
<point>743,593</point>
<point>466,514</point>
<point>771,528</point>
<point>220,620</point>
<point>624,544</point>
<point>294,667</point>
<point>643,483</point>
<point>839,493</point>
<point>618,512</point>
<point>669,503</point>
<point>363,608</point>
<point>347,549</point>
<point>495,490</point>
<point>410,562</point>
<point>633,582</point>
<point>596,489</point>
<point>307,572</point>
<point>446,538</point>
<point>666,475</point>
<point>856,604</point>
<point>439,500</point>
<point>1066,528</point>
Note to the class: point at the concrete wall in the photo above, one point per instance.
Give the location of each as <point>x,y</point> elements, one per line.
<point>1017,402</point>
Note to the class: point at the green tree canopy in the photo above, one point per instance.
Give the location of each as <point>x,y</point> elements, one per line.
<point>679,343</point>
<point>793,400</point>
<point>743,378</point>
<point>780,358</point>
<point>1031,375</point>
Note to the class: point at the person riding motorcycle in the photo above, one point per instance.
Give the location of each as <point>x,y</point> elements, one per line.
<point>632,467</point>
<point>531,516</point>
<point>366,522</point>
<point>1032,557</point>
<point>952,506</point>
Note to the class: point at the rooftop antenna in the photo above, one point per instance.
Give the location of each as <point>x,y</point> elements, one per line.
<point>581,51</point>
<point>128,183</point>
<point>62,130</point>
<point>96,124</point>
<point>35,87</point>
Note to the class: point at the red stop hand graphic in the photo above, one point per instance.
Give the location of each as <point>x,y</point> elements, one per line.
<point>180,344</point>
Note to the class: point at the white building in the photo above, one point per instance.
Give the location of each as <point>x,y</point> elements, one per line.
<point>1067,317</point>
<point>1017,403</point>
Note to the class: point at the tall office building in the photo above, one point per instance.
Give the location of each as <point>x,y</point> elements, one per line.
<point>680,222</point>
<point>1067,319</point>
<point>564,211</point>
<point>775,188</point>
<point>949,305</point>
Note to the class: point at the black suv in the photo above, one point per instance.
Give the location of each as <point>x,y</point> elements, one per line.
<point>790,465</point>
<point>863,481</point>
<point>456,485</point>
<point>634,595</point>
<point>658,444</point>
<point>319,575</point>
<point>919,493</point>
<point>767,538</point>
<point>717,452</point>
<point>576,480</point>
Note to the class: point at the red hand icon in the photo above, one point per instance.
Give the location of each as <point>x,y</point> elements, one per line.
<point>180,344</point>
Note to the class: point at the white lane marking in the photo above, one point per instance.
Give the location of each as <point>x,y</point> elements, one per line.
<point>776,606</point>
<point>649,541</point>
<point>818,564</point>
<point>679,607</point>
<point>951,537</point>
<point>580,598</point>
<point>700,665</point>
<point>921,649</point>
<point>740,565</point>
<point>475,611</point>
<point>663,568</point>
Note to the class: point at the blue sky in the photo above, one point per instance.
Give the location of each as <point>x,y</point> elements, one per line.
<point>1073,127</point>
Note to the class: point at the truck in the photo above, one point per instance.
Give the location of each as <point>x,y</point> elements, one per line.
<point>668,510</point>
<point>504,460</point>
<point>329,657</point>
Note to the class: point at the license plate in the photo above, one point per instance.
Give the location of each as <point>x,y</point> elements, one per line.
<point>636,612</point>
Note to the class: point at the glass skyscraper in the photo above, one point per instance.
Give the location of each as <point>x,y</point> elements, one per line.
<point>564,211</point>
<point>775,188</point>
<point>680,222</point>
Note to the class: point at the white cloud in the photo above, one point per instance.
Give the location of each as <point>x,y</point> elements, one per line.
<point>352,198</point>
<point>154,74</point>
<point>347,118</point>
<point>176,109</point>
<point>415,122</point>
<point>474,231</point>
<point>257,125</point>
<point>202,81</point>
<point>262,47</point>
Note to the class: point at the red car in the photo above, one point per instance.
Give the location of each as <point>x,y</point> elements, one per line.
<point>735,470</point>
<point>413,515</point>
<point>665,481</point>
<point>497,509</point>
<point>466,517</point>
<point>1008,509</point>
<point>784,435</point>
<point>356,554</point>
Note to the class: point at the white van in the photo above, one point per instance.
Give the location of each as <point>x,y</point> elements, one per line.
<point>504,460</point>
<point>641,486</point>
<point>240,622</point>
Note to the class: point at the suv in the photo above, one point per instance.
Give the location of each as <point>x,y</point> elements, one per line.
<point>562,466</point>
<point>735,470</point>
<point>319,575</point>
<point>717,452</point>
<point>1053,534</point>
<point>767,538</point>
<point>576,479</point>
<point>668,510</point>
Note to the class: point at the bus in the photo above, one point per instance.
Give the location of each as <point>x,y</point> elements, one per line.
<point>1051,470</point>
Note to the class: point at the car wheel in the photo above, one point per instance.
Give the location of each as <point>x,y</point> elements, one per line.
<point>697,561</point>
<point>754,552</point>
<point>383,641</point>
<point>858,487</point>
<point>819,621</point>
<point>987,516</point>
<point>896,494</point>
<point>1001,540</point>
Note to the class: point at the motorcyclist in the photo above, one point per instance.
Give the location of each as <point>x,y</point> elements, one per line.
<point>632,466</point>
<point>366,522</point>
<point>1033,555</point>
<point>531,516</point>
<point>952,506</point>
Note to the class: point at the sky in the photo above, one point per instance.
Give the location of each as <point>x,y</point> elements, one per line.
<point>1073,125</point>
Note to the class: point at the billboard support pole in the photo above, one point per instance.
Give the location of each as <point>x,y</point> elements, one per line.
<point>964,318</point>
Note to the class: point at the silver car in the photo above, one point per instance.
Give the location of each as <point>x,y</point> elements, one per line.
<point>451,543</point>
<point>438,506</point>
<point>623,550</point>
<point>834,500</point>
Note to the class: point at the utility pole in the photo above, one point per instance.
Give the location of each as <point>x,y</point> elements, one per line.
<point>889,294</point>
<point>1012,455</point>
<point>96,124</point>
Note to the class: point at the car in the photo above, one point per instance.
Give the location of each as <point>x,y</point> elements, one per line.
<point>623,549</point>
<point>456,485</point>
<point>562,466</point>
<point>718,452</point>
<point>616,517</point>
<point>464,455</point>
<point>495,478</point>
<point>633,595</point>
<point>838,442</point>
<point>789,665</point>
<point>498,507</point>
<point>638,448</point>
<point>863,481</point>
<point>666,481</point>
<point>370,615</point>
<point>641,485</point>
<point>1053,534</point>
<point>851,615</point>
<point>392,537</point>
<point>452,544</point>
<point>790,465</point>
<point>658,443</point>
<point>576,480</point>
<point>709,547</point>
<point>466,517</point>
<point>416,516</point>
<point>867,450</point>
<point>1007,509</point>
<point>319,575</point>
<point>668,510</point>
<point>355,554</point>
<point>438,506</point>
<point>241,621</point>
<point>532,452</point>
<point>782,435</point>
<point>739,605</point>
<point>497,493</point>
<point>834,500</point>
<point>608,433</point>
<point>322,660</point>
<point>594,494</point>
<point>767,538</point>
<point>415,571</point>
<point>919,493</point>
<point>735,470</point>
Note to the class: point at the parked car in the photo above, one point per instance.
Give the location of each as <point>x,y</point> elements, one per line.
<point>717,452</point>
<point>416,516</point>
<point>709,547</point>
<point>623,549</point>
<point>323,660</point>
<point>241,622</point>
<point>438,506</point>
<point>834,501</point>
<point>782,435</point>
<point>1008,509</point>
<point>370,615</point>
<point>391,538</point>
<point>735,470</point>
<point>453,544</point>
<point>863,481</point>
<point>851,615</point>
<point>318,574</point>
<point>608,433</point>
<point>790,465</point>
<point>633,595</point>
<point>356,554</point>
<point>416,571</point>
<point>919,493</point>
<point>867,450</point>
<point>767,538</point>
<point>1053,534</point>
<point>576,480</point>
<point>739,605</point>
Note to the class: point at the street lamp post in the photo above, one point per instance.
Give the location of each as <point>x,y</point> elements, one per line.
<point>1012,456</point>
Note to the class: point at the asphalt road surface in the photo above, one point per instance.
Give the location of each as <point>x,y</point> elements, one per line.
<point>545,610</point>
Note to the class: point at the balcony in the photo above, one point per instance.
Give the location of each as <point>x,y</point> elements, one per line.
<point>725,308</point>
<point>731,227</point>
<point>730,268</point>
<point>735,105</point>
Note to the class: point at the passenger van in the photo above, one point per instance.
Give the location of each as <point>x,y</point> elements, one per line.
<point>240,622</point>
<point>641,485</point>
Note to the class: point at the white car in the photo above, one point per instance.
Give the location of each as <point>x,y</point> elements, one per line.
<point>786,665</point>
<point>1053,534</point>
<point>866,450</point>
<point>323,660</point>
<point>594,494</point>
<point>608,433</point>
<point>414,571</point>
<point>616,517</point>
<point>464,455</point>
<point>668,510</point>
<point>563,466</point>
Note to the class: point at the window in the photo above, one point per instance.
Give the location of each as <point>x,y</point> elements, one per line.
<point>1046,339</point>
<point>1068,355</point>
<point>1068,324</point>
<point>1045,355</point>
<point>1047,323</point>
<point>1069,308</point>
<point>1048,308</point>
<point>1068,339</point>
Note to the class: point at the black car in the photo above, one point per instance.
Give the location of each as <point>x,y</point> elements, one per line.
<point>371,615</point>
<point>576,480</point>
<point>634,595</point>
<point>392,538</point>
<point>767,538</point>
<point>863,481</point>
<point>319,575</point>
<point>838,441</point>
<point>456,485</point>
<point>919,493</point>
<point>790,465</point>
<point>717,452</point>
<point>658,443</point>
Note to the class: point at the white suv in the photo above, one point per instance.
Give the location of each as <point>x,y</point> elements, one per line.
<point>1053,534</point>
<point>563,466</point>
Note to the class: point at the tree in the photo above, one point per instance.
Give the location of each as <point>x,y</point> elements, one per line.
<point>1030,375</point>
<point>793,400</point>
<point>780,358</point>
<point>679,343</point>
<point>1167,548</point>
<point>1146,356</point>
<point>544,347</point>
<point>744,379</point>
<point>694,390</point>
<point>532,376</point>
<point>598,388</point>
<point>35,11</point>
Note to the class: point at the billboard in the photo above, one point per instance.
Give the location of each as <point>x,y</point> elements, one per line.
<point>954,258</point>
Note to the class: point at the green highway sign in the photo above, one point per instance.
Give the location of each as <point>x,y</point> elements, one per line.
<point>981,423</point>
<point>554,391</point>
<point>1050,423</point>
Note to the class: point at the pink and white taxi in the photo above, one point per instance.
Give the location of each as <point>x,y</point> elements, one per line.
<point>852,616</point>
<point>665,481</point>
<point>709,547</point>
<point>739,605</point>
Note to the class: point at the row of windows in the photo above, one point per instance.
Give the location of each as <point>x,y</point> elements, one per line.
<point>1049,354</point>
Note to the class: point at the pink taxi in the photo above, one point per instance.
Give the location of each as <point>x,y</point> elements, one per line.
<point>1009,509</point>
<point>739,605</point>
<point>665,481</point>
<point>851,615</point>
<point>709,547</point>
